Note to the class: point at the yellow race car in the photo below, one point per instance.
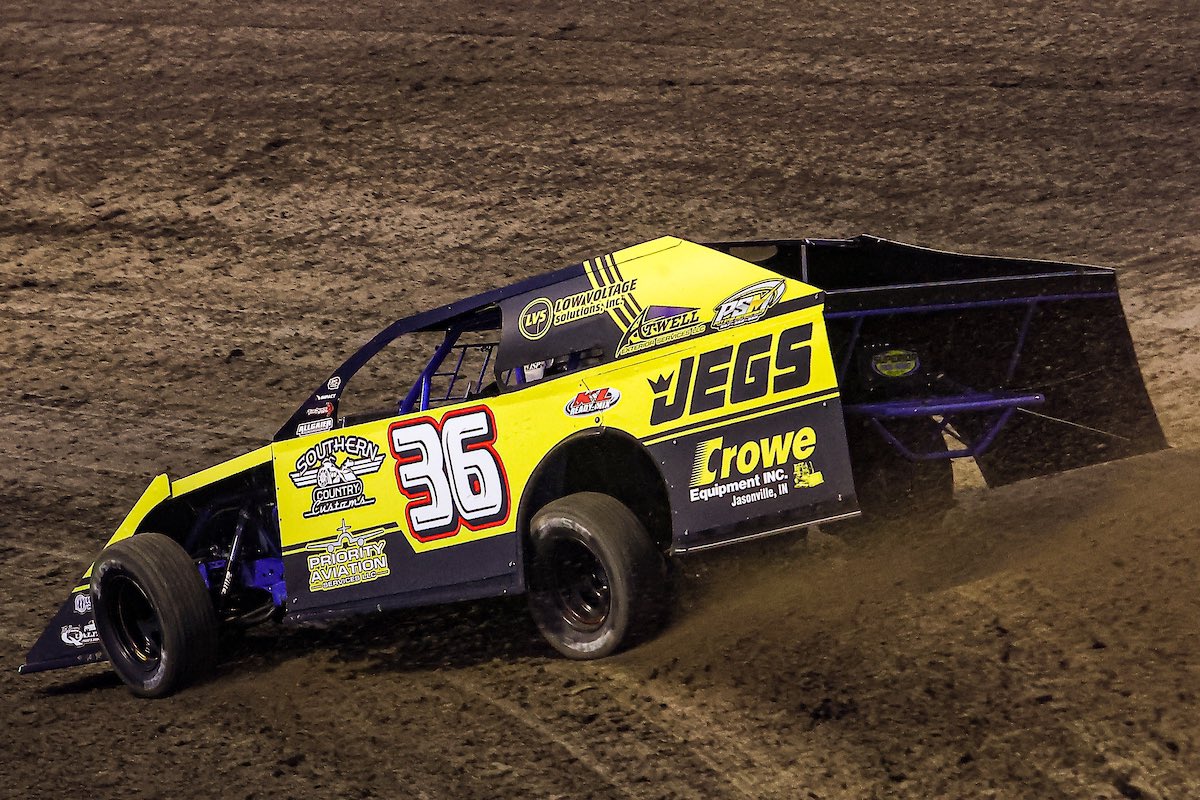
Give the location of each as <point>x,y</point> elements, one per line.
<point>569,434</point>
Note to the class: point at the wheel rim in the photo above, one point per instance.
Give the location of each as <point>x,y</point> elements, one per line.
<point>579,585</point>
<point>135,622</point>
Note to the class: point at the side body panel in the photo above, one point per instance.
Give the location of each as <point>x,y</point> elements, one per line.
<point>721,369</point>
<point>414,509</point>
<point>747,428</point>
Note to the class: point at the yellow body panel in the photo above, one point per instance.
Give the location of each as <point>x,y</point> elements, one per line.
<point>226,469</point>
<point>525,431</point>
<point>530,422</point>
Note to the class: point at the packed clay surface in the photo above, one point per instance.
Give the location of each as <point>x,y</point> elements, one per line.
<point>204,207</point>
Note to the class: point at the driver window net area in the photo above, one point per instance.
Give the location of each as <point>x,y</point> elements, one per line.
<point>537,371</point>
<point>464,373</point>
<point>419,371</point>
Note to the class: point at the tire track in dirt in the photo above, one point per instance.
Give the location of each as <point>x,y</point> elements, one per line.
<point>754,770</point>
<point>530,720</point>
<point>444,733</point>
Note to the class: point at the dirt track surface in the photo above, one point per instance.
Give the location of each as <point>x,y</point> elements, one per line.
<point>203,209</point>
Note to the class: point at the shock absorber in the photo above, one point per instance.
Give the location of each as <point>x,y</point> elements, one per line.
<point>234,551</point>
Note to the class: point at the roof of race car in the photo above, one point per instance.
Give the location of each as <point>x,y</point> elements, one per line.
<point>471,313</point>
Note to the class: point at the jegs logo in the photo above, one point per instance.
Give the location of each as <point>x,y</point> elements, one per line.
<point>592,402</point>
<point>747,305</point>
<point>350,558</point>
<point>79,636</point>
<point>338,485</point>
<point>659,325</point>
<point>450,472</point>
<point>706,382</point>
<point>83,603</point>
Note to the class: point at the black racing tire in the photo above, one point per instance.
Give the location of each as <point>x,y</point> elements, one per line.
<point>154,616</point>
<point>597,582</point>
<point>890,487</point>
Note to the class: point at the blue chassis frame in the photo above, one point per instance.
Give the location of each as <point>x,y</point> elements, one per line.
<point>1000,404</point>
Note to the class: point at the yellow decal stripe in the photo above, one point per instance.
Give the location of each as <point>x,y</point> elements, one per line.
<point>158,491</point>
<point>242,463</point>
<point>723,421</point>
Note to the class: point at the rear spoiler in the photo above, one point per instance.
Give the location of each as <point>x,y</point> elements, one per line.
<point>1038,353</point>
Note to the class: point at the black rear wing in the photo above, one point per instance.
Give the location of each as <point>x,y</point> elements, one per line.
<point>1028,363</point>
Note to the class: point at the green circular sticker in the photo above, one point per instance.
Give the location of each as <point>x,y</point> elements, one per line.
<point>895,363</point>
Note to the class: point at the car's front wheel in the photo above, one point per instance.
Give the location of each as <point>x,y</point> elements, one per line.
<point>154,616</point>
<point>597,582</point>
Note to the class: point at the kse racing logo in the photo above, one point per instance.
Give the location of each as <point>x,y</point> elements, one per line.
<point>706,382</point>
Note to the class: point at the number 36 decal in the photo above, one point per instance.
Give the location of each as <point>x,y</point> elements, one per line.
<point>450,472</point>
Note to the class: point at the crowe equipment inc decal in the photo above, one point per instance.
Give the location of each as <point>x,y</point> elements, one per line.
<point>761,468</point>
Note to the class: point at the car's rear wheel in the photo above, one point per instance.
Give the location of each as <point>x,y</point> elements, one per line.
<point>154,615</point>
<point>597,582</point>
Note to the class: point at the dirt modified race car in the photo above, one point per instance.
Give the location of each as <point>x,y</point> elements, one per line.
<point>570,433</point>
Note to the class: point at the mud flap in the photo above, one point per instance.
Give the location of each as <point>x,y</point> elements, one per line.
<point>1080,355</point>
<point>70,639</point>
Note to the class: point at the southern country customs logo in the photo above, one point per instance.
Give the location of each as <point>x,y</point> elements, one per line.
<point>592,401</point>
<point>334,468</point>
<point>348,559</point>
<point>747,305</point>
<point>540,314</point>
<point>659,325</point>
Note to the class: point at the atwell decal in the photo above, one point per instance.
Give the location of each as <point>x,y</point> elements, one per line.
<point>660,325</point>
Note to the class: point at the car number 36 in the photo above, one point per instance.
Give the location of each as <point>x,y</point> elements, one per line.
<point>450,472</point>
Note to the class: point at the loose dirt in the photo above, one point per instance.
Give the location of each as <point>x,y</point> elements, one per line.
<point>204,207</point>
